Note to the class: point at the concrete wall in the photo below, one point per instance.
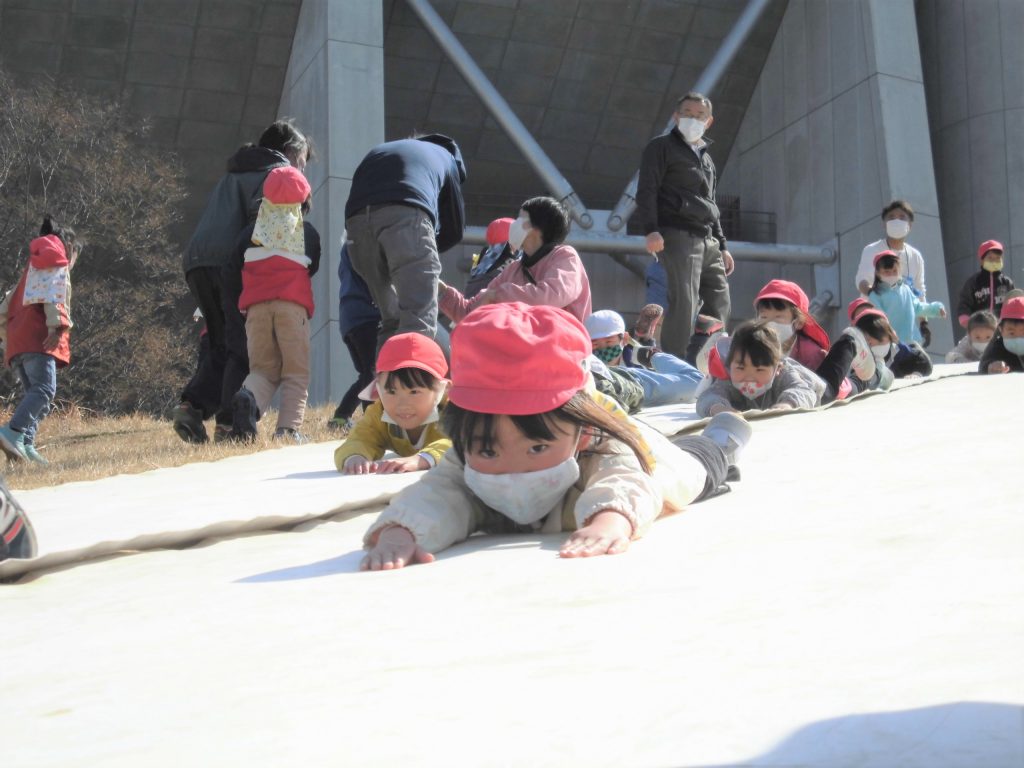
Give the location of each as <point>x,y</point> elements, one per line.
<point>335,89</point>
<point>837,127</point>
<point>974,77</point>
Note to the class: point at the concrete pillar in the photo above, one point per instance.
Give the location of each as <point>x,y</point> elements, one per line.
<point>334,89</point>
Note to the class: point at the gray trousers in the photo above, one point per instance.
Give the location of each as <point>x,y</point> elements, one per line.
<point>696,283</point>
<point>393,249</point>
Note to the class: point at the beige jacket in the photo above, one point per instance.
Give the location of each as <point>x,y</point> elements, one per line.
<point>440,510</point>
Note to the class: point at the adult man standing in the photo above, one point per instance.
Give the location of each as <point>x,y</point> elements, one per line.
<point>677,209</point>
<point>404,208</point>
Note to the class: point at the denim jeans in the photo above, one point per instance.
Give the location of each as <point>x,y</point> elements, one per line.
<point>38,375</point>
<point>672,380</point>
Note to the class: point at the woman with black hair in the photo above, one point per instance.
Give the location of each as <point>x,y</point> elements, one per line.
<point>548,273</point>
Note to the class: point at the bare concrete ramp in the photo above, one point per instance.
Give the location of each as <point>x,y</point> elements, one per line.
<point>855,601</point>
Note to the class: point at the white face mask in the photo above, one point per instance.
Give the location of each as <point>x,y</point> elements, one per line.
<point>524,497</point>
<point>783,330</point>
<point>517,232</point>
<point>881,351</point>
<point>752,390</point>
<point>897,229</point>
<point>691,128</point>
<point>979,346</point>
<point>890,279</point>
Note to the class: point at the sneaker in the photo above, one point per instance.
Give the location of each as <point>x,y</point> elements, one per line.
<point>33,455</point>
<point>223,433</point>
<point>643,355</point>
<point>245,415</point>
<point>710,358</point>
<point>291,435</point>
<point>731,433</point>
<point>647,323</point>
<point>188,423</point>
<point>17,538</point>
<point>864,359</point>
<point>13,443</point>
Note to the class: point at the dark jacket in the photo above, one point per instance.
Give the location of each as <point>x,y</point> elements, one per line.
<point>355,304</point>
<point>996,351</point>
<point>426,173</point>
<point>234,202</point>
<point>983,290</point>
<point>676,189</point>
<point>909,359</point>
<point>491,263</point>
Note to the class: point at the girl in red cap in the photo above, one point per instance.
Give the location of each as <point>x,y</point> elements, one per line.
<point>548,272</point>
<point>409,394</point>
<point>786,308</point>
<point>1005,353</point>
<point>35,330</point>
<point>271,273</point>
<point>986,289</point>
<point>537,450</point>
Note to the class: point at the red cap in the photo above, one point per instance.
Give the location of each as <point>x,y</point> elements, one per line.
<point>794,294</point>
<point>861,307</point>
<point>1013,309</point>
<point>412,350</point>
<point>989,245</point>
<point>517,359</point>
<point>47,252</point>
<point>497,231</point>
<point>286,186</point>
<point>881,254</point>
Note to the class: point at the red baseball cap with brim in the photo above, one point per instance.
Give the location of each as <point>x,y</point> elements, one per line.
<point>989,245</point>
<point>497,231</point>
<point>882,254</point>
<point>517,359</point>
<point>1013,309</point>
<point>861,308</point>
<point>408,350</point>
<point>794,294</point>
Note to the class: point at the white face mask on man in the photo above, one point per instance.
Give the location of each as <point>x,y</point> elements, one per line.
<point>897,229</point>
<point>691,128</point>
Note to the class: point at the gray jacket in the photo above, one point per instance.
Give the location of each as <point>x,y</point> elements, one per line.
<point>794,386</point>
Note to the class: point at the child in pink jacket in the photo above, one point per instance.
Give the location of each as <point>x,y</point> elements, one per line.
<point>548,273</point>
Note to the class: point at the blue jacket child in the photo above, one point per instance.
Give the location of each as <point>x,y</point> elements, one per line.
<point>894,296</point>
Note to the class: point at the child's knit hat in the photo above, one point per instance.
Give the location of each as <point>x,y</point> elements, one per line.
<point>882,254</point>
<point>604,323</point>
<point>279,221</point>
<point>412,350</point>
<point>989,245</point>
<point>517,359</point>
<point>1013,309</point>
<point>794,294</point>
<point>861,307</point>
<point>497,231</point>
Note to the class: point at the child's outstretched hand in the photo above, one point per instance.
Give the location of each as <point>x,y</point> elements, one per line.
<point>358,465</point>
<point>407,464</point>
<point>607,533</point>
<point>998,366</point>
<point>395,548</point>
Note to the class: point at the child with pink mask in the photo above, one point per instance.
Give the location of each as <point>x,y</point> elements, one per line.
<point>535,449</point>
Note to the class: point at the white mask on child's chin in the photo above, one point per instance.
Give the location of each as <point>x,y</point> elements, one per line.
<point>890,280</point>
<point>881,351</point>
<point>752,390</point>
<point>524,497</point>
<point>979,346</point>
<point>783,330</point>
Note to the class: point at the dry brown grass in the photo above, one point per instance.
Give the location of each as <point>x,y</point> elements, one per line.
<point>85,446</point>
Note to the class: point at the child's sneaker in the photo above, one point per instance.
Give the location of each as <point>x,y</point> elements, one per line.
<point>863,359</point>
<point>245,415</point>
<point>290,435</point>
<point>731,433</point>
<point>33,455</point>
<point>647,323</point>
<point>707,330</point>
<point>13,443</point>
<point>340,424</point>
<point>188,423</point>
<point>17,539</point>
